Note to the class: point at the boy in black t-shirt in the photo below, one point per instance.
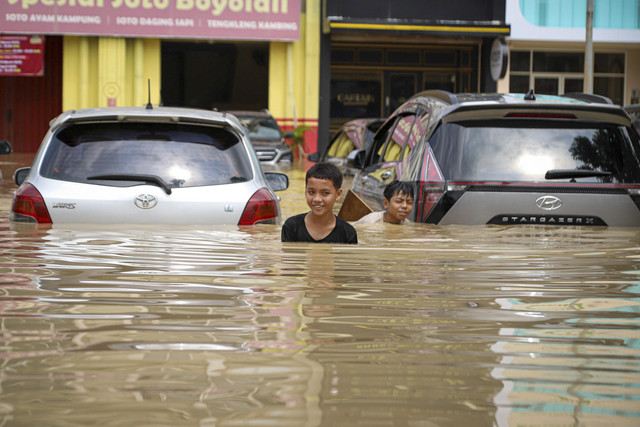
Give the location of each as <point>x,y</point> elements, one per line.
<point>320,225</point>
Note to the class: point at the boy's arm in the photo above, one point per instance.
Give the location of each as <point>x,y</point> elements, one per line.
<point>287,233</point>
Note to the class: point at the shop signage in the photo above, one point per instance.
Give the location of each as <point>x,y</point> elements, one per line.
<point>499,59</point>
<point>199,19</point>
<point>21,55</point>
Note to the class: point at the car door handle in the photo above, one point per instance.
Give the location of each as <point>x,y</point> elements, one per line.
<point>386,175</point>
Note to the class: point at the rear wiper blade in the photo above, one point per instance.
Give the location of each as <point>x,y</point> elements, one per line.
<point>574,173</point>
<point>148,179</point>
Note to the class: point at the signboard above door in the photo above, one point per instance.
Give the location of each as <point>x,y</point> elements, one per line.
<point>195,19</point>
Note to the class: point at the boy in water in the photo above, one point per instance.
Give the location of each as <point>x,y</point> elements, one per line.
<point>320,225</point>
<point>398,204</point>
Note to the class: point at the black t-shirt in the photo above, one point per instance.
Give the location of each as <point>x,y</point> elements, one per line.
<point>294,230</point>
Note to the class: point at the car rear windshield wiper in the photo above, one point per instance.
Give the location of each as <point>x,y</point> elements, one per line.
<point>148,179</point>
<point>574,173</point>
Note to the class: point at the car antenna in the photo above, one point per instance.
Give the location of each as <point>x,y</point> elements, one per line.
<point>530,96</point>
<point>149,106</point>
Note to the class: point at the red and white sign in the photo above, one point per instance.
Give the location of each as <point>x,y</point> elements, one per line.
<point>196,19</point>
<point>21,55</point>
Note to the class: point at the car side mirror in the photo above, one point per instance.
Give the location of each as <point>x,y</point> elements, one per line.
<point>355,159</point>
<point>313,157</point>
<point>289,135</point>
<point>20,175</point>
<point>277,180</point>
<point>5,147</point>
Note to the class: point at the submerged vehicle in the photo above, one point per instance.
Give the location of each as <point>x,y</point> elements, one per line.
<point>507,159</point>
<point>137,165</point>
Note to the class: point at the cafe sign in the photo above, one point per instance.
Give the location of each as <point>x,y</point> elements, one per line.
<point>196,19</point>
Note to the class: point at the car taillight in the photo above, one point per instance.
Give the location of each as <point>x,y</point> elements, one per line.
<point>28,206</point>
<point>542,115</point>
<point>262,207</point>
<point>431,188</point>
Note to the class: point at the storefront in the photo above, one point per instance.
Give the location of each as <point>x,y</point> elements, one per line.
<point>375,57</point>
<point>239,54</point>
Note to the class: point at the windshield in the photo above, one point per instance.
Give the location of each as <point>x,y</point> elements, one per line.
<point>524,151</point>
<point>262,129</point>
<point>180,155</point>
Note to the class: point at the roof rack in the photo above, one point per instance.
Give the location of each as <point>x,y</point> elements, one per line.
<point>589,97</point>
<point>440,94</point>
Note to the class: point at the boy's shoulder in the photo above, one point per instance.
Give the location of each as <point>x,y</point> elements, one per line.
<point>295,218</point>
<point>343,223</point>
<point>346,231</point>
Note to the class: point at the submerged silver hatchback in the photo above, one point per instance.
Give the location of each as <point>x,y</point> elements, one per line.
<point>154,165</point>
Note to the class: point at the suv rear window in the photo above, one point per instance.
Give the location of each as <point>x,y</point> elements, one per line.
<point>522,150</point>
<point>181,155</point>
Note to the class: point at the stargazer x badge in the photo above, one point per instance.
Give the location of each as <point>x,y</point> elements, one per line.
<point>146,201</point>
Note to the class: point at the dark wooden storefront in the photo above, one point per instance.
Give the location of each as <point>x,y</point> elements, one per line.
<point>375,54</point>
<point>372,80</point>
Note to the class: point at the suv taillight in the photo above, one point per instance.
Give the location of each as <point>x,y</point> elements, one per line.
<point>431,187</point>
<point>28,206</point>
<point>262,207</point>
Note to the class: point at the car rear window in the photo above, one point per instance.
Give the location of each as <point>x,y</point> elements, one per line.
<point>181,155</point>
<point>524,150</point>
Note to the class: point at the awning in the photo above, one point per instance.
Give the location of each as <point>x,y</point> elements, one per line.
<point>419,27</point>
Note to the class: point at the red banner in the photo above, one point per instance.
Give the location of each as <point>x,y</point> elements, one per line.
<point>21,55</point>
<point>200,19</point>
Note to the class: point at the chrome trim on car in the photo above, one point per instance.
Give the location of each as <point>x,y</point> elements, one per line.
<point>548,203</point>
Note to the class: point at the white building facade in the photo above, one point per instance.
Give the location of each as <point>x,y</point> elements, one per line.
<point>548,41</point>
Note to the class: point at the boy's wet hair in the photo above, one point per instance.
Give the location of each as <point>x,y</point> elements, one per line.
<point>398,187</point>
<point>325,171</point>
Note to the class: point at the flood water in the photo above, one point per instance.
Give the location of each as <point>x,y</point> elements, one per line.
<point>417,325</point>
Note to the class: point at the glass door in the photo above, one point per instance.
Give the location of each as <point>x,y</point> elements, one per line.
<point>355,95</point>
<point>401,87</point>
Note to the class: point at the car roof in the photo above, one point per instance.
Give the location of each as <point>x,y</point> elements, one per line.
<point>144,114</point>
<point>633,108</point>
<point>512,98</point>
<point>497,105</point>
<point>251,113</point>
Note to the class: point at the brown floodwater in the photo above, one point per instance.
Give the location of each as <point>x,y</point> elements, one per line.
<point>417,325</point>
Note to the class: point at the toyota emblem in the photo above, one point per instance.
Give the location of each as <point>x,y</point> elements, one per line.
<point>146,201</point>
<point>548,203</point>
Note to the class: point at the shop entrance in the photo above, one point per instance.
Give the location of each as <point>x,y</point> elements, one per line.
<point>226,76</point>
<point>372,81</point>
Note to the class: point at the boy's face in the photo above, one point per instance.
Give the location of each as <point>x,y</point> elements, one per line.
<point>398,208</point>
<point>321,195</point>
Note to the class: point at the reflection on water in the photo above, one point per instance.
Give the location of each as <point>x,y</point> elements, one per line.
<point>416,325</point>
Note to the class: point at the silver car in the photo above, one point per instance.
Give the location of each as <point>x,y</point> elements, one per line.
<point>153,165</point>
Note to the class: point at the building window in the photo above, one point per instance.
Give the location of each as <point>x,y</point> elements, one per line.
<point>556,73</point>
<point>573,13</point>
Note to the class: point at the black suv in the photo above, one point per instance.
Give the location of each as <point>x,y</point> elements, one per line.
<point>266,137</point>
<point>507,159</point>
